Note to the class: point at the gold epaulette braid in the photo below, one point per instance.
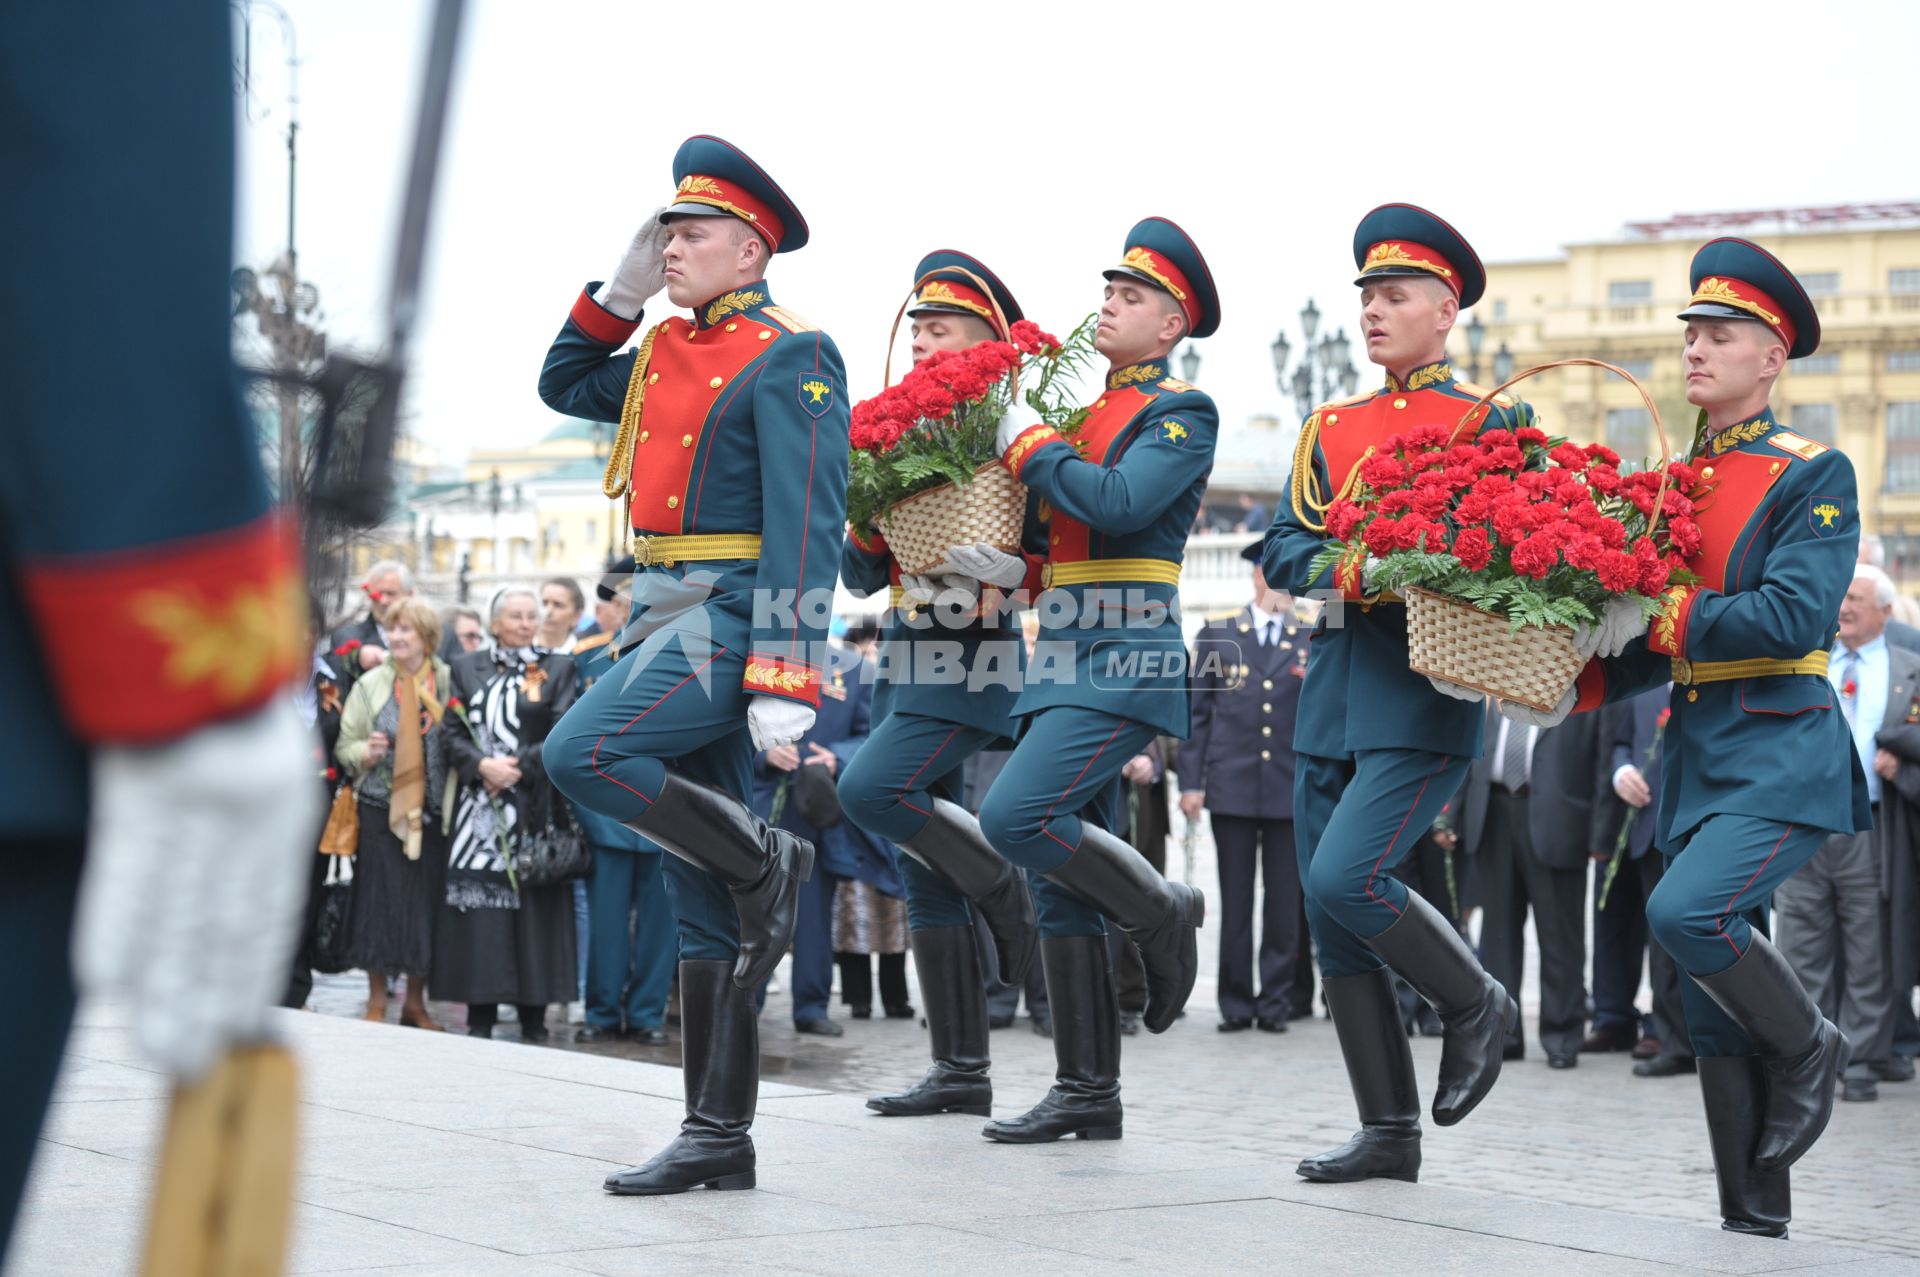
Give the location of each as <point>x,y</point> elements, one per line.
<point>1303,480</point>
<point>619,473</point>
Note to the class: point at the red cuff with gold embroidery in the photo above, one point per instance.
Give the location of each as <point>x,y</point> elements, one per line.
<point>1030,441</point>
<point>1349,577</point>
<point>878,545</point>
<point>782,676</point>
<point>147,643</point>
<point>599,323</point>
<point>1591,687</point>
<point>1668,634</point>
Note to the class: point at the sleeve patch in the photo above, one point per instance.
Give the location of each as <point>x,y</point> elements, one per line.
<point>816,394</point>
<point>1827,515</point>
<point>1175,432</point>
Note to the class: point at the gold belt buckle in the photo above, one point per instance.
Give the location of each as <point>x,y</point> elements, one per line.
<point>1046,576</point>
<point>1682,670</point>
<point>644,556</point>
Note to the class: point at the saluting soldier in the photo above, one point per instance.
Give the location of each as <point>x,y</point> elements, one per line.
<point>1753,774</point>
<point>1381,749</point>
<point>732,453</point>
<point>951,668</point>
<point>1108,674</point>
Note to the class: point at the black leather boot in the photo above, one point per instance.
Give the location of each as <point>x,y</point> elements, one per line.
<point>956,1002</point>
<point>720,1055</point>
<point>762,867</point>
<point>1751,1200</point>
<point>1373,1042</point>
<point>952,846</point>
<point>1802,1050</point>
<point>1085,1098</point>
<point>1424,950</point>
<point>1162,917</point>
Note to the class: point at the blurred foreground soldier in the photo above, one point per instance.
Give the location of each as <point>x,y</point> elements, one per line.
<point>732,454</point>
<point>1759,766</point>
<point>1381,749</point>
<point>163,626</point>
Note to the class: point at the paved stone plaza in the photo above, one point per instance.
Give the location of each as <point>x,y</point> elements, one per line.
<point>430,1154</point>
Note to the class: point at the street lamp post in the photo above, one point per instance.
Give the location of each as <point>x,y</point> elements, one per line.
<point>1476,337</point>
<point>493,505</point>
<point>1502,363</point>
<point>1323,372</point>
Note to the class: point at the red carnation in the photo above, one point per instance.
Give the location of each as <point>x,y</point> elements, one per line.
<point>1570,455</point>
<point>1473,549</point>
<point>1666,713</point>
<point>1342,517</point>
<point>347,648</point>
<point>1382,536</point>
<point>1534,557</point>
<point>1382,472</point>
<point>1619,571</point>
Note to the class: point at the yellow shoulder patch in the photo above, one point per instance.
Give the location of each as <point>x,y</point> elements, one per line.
<point>1480,392</point>
<point>1347,402</point>
<point>1796,445</point>
<point>593,641</point>
<point>1176,385</point>
<point>1225,614</point>
<point>788,320</point>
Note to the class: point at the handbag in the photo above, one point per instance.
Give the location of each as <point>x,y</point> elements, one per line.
<point>552,848</point>
<point>341,837</point>
<point>327,942</point>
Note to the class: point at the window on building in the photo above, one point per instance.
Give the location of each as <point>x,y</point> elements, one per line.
<point>1817,421</point>
<point>1815,366</point>
<point>1903,361</point>
<point>1903,446</point>
<point>1499,310</point>
<point>1630,432</point>
<point>1821,283</point>
<point>1633,292</point>
<point>1904,281</point>
<point>1640,368</point>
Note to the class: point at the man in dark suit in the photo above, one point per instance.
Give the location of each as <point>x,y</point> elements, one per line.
<point>811,810</point>
<point>1830,909</point>
<point>1526,810</point>
<point>1238,764</point>
<point>1632,741</point>
<point>361,644</point>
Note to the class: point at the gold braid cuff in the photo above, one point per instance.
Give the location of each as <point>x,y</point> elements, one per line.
<point>620,465</point>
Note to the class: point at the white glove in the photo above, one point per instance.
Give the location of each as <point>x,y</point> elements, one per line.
<point>982,562</point>
<point>642,273</point>
<point>1455,690</point>
<point>1621,621</point>
<point>195,880</point>
<point>1530,717</point>
<point>1370,575</point>
<point>775,720</point>
<point>1010,429</point>
<point>957,591</point>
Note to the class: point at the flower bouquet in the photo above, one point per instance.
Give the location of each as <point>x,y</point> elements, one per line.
<point>925,472</point>
<point>1503,542</point>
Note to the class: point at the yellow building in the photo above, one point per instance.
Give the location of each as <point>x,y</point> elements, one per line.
<point>1617,300</point>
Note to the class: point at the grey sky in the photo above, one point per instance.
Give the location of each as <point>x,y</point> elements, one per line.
<point>1034,135</point>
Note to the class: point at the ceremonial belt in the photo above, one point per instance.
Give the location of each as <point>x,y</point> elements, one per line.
<point>1688,672</point>
<point>1110,572</point>
<point>665,551</point>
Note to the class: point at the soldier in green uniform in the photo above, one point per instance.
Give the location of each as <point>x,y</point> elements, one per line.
<point>732,453</point>
<point>1758,767</point>
<point>1380,749</point>
<point>951,668</point>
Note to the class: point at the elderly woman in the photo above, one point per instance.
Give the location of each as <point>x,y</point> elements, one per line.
<point>393,742</point>
<point>496,943</point>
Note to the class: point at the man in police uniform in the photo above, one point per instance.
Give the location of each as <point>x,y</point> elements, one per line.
<point>1108,673</point>
<point>1757,769</point>
<point>153,640</point>
<point>1248,670</point>
<point>732,453</point>
<point>906,785</point>
<point>630,942</point>
<point>1381,750</point>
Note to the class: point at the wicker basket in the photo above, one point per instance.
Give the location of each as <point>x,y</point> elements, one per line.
<point>1455,641</point>
<point>990,510</point>
<point>1534,665</point>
